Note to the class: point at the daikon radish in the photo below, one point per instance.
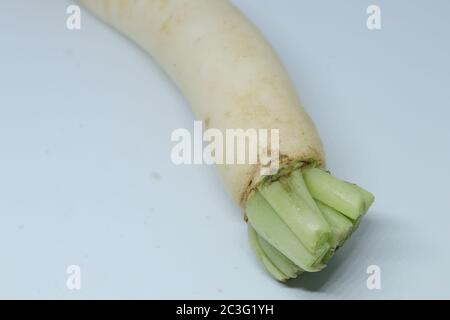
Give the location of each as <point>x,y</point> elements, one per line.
<point>232,78</point>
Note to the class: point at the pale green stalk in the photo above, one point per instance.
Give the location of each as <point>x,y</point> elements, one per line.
<point>285,265</point>
<point>341,227</point>
<point>335,193</point>
<point>274,230</point>
<point>270,267</point>
<point>312,230</point>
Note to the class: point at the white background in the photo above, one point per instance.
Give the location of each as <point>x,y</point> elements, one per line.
<point>86,176</point>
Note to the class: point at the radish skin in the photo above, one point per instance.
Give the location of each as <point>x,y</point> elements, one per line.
<point>226,69</point>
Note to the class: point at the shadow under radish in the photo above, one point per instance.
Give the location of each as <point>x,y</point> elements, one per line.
<point>318,281</point>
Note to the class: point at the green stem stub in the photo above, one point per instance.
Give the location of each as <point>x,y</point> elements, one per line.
<point>309,226</point>
<point>275,231</point>
<point>298,221</point>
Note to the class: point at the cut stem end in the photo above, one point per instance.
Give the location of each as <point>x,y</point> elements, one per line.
<point>297,222</point>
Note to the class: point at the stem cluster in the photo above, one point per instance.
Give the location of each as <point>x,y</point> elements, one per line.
<point>297,222</point>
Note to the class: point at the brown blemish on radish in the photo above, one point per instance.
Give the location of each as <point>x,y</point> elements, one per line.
<point>249,187</point>
<point>165,27</point>
<point>163,4</point>
<point>176,20</point>
<point>287,165</point>
<point>207,122</point>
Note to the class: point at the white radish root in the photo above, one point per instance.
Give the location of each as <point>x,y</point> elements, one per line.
<point>227,70</point>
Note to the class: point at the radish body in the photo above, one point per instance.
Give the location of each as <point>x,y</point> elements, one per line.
<point>226,69</point>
